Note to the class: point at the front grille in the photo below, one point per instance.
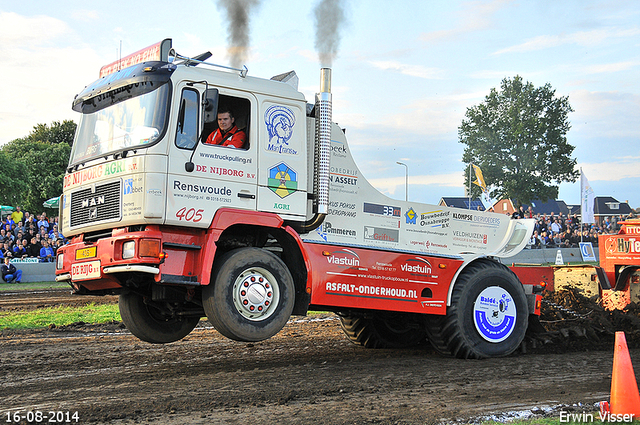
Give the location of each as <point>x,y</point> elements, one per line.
<point>103,204</point>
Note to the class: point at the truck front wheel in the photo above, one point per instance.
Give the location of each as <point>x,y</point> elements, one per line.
<point>252,297</point>
<point>488,315</point>
<point>149,323</point>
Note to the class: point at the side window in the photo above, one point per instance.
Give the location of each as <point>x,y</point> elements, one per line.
<point>231,128</point>
<point>187,131</point>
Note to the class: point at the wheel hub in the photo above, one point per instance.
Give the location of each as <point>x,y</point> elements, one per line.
<point>254,294</point>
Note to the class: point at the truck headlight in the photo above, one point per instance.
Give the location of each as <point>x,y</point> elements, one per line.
<point>60,261</point>
<point>128,249</point>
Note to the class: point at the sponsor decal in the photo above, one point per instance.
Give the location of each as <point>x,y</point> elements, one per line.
<point>622,246</point>
<point>344,172</point>
<point>129,188</point>
<point>328,229</point>
<point>201,188</point>
<point>343,176</point>
<point>226,157</point>
<point>223,171</point>
<point>381,234</point>
<point>130,209</point>
<point>385,210</point>
<point>342,209</point>
<point>147,54</point>
<point>344,257</point>
<point>416,266</point>
<point>463,217</point>
<point>371,291</point>
<point>435,219</point>
<point>284,207</point>
<point>411,216</point>
<point>338,149</point>
<point>430,245</point>
<point>280,121</point>
<point>426,304</point>
<point>469,237</point>
<point>333,178</point>
<point>494,314</point>
<point>282,181</point>
<point>631,229</point>
<point>99,171</point>
<point>385,267</point>
<point>491,221</point>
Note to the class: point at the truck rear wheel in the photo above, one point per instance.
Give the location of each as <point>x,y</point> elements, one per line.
<point>149,323</point>
<point>252,297</point>
<point>488,315</point>
<point>382,331</point>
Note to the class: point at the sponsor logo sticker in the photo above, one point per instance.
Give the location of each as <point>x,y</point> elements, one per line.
<point>282,181</point>
<point>280,121</point>
<point>381,234</point>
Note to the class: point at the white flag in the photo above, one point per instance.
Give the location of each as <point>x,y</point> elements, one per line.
<point>588,196</point>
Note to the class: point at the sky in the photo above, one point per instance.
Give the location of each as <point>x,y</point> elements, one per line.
<point>404,74</point>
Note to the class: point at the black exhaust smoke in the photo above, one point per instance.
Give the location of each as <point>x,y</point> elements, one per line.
<point>237,14</point>
<point>330,17</point>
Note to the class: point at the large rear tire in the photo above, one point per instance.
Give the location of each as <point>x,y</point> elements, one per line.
<point>488,315</point>
<point>149,323</point>
<point>383,331</point>
<point>252,297</point>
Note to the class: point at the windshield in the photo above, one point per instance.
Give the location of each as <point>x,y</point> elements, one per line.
<point>126,125</point>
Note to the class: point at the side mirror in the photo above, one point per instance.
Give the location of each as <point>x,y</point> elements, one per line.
<point>210,107</point>
<point>189,167</point>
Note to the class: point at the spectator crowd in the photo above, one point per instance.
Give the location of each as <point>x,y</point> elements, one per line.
<point>23,235</point>
<point>560,231</point>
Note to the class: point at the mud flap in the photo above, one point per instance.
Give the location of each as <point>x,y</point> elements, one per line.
<point>602,278</point>
<point>534,301</point>
<point>535,327</point>
<point>623,278</point>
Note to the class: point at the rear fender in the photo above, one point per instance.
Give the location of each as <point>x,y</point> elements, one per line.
<point>466,264</point>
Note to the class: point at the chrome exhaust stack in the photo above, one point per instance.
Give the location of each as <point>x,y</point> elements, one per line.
<point>323,142</point>
<point>322,156</point>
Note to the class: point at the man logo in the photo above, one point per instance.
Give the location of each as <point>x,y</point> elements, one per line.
<point>92,202</point>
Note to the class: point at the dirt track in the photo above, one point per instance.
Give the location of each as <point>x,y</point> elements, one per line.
<point>308,373</point>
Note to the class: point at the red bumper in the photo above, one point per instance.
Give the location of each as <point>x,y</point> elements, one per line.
<point>98,265</point>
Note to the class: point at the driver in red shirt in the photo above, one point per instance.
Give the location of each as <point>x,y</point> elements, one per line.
<point>227,133</point>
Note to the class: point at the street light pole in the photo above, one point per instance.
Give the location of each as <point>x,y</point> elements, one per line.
<point>406,180</point>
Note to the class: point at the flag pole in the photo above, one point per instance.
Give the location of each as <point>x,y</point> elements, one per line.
<point>470,167</point>
<point>581,202</point>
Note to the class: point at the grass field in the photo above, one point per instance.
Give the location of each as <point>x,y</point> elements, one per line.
<point>32,286</point>
<point>59,316</point>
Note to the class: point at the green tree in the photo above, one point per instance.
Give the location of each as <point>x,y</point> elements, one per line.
<point>44,154</point>
<point>12,175</point>
<point>517,136</point>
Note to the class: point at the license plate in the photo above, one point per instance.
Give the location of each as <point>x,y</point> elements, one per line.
<point>83,253</point>
<point>88,270</point>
